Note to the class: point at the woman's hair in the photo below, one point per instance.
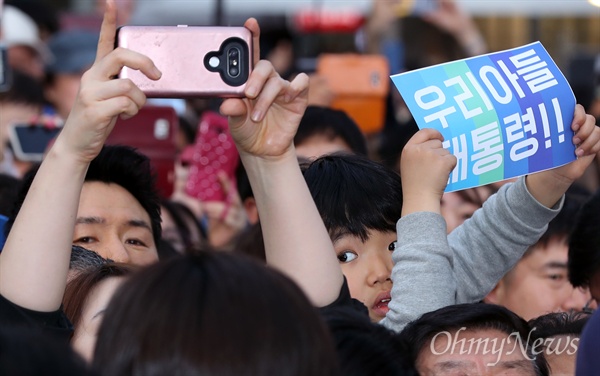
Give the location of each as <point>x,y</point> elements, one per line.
<point>186,225</point>
<point>354,194</point>
<point>212,313</point>
<point>79,288</point>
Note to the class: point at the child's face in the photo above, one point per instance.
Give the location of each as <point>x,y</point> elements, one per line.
<point>368,267</point>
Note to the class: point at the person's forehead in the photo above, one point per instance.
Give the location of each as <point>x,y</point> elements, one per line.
<point>110,199</point>
<point>467,349</point>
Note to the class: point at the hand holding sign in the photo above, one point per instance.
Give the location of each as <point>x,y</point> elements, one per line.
<point>548,186</point>
<point>502,115</point>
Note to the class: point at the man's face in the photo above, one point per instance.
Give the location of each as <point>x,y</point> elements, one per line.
<point>112,223</point>
<point>367,267</point>
<point>539,284</point>
<point>26,60</point>
<point>474,353</point>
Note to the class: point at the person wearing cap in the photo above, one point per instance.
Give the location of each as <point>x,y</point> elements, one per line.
<point>74,52</point>
<point>26,51</point>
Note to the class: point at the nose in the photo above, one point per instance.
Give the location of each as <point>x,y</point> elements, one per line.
<point>578,298</point>
<point>380,269</point>
<point>116,251</point>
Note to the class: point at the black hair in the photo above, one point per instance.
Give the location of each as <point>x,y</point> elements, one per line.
<point>212,313</point>
<point>354,194</point>
<point>117,164</point>
<point>180,212</point>
<point>365,348</point>
<point>9,191</point>
<point>43,13</point>
<point>558,323</point>
<point>393,140</point>
<point>30,352</point>
<point>584,243</point>
<point>126,167</point>
<point>251,242</point>
<point>474,316</point>
<point>331,124</point>
<point>23,90</point>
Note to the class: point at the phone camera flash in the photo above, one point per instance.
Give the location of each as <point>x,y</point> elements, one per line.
<point>214,62</point>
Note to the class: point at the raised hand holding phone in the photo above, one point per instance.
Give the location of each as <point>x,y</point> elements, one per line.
<point>101,98</point>
<point>263,126</point>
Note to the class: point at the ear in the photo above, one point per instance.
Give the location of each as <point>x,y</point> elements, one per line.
<point>496,296</point>
<point>251,210</point>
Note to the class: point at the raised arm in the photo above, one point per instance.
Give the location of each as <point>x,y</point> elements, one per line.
<point>489,244</point>
<point>423,272</point>
<point>263,126</point>
<point>35,260</point>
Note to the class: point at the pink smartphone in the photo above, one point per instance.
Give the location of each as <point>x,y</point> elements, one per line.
<point>214,151</point>
<point>195,61</point>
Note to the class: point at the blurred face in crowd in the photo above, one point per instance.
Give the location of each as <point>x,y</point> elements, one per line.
<point>441,358</point>
<point>86,332</point>
<point>456,210</point>
<point>26,60</point>
<point>539,284</point>
<point>319,144</point>
<point>561,361</point>
<point>367,267</point>
<point>112,223</point>
<point>62,92</point>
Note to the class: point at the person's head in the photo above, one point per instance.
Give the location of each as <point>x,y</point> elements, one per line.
<point>74,52</point>
<point>20,104</point>
<point>584,247</point>
<point>26,51</point>
<point>473,339</point>
<point>558,333</point>
<point>539,282</point>
<point>324,130</point>
<point>86,297</point>
<point>360,202</point>
<point>180,227</point>
<point>365,348</point>
<point>30,351</point>
<point>212,313</point>
<point>119,209</point>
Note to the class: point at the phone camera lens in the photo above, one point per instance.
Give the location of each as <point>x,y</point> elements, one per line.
<point>234,71</point>
<point>233,53</point>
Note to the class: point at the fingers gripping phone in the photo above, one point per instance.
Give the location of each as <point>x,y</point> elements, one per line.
<point>195,61</point>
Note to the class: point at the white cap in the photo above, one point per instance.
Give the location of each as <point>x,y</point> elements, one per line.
<point>18,29</point>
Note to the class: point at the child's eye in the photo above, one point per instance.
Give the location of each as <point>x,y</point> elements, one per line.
<point>346,256</point>
<point>392,247</point>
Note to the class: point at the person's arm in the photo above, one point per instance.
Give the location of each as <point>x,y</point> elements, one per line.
<point>35,260</point>
<point>490,243</point>
<point>449,17</point>
<point>263,126</point>
<point>423,266</point>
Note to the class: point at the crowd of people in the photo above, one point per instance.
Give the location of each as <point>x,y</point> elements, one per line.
<point>325,257</point>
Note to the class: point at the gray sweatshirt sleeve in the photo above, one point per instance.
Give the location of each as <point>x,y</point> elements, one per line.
<point>422,273</point>
<point>432,270</point>
<point>489,244</point>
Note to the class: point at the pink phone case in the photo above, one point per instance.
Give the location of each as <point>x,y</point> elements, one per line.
<point>195,61</point>
<point>214,151</point>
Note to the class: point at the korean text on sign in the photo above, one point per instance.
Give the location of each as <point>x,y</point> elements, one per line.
<point>503,115</point>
